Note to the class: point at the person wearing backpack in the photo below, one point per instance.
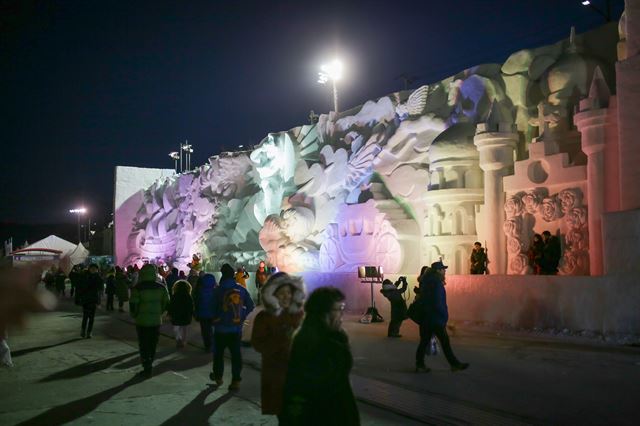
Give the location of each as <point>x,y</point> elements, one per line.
<point>231,305</point>
<point>433,301</point>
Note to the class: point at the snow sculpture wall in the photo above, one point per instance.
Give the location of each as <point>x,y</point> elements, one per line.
<point>563,214</point>
<point>361,235</point>
<point>396,182</point>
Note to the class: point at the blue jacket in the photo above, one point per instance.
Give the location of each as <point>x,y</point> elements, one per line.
<point>434,298</point>
<point>203,297</point>
<point>231,305</point>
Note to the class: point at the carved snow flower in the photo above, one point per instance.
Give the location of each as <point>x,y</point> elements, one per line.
<point>577,238</point>
<point>577,217</point>
<point>519,264</point>
<point>512,227</point>
<point>513,206</point>
<point>514,246</point>
<point>531,202</point>
<point>568,199</point>
<point>549,209</point>
<point>575,262</point>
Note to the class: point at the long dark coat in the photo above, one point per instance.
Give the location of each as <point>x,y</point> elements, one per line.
<point>122,287</point>
<point>181,308</point>
<point>317,390</point>
<point>272,337</point>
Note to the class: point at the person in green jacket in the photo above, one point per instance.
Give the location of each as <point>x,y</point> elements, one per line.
<point>149,300</point>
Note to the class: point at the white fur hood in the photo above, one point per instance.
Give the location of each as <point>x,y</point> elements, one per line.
<point>270,301</point>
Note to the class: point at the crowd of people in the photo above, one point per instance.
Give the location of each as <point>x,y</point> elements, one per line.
<point>544,255</point>
<point>306,356</point>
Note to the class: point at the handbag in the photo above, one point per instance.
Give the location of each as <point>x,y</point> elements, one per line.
<point>416,311</point>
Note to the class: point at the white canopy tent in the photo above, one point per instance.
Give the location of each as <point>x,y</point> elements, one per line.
<point>51,249</point>
<point>78,255</point>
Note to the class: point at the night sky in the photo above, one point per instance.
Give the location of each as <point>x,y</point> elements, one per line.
<point>88,85</point>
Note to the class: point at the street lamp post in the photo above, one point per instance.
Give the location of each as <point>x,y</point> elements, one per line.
<point>606,14</point>
<point>175,156</point>
<point>79,211</point>
<point>188,150</point>
<point>333,72</point>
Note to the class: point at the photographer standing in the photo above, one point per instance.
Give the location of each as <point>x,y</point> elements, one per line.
<point>393,292</point>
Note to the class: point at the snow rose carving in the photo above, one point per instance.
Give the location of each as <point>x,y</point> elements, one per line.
<point>512,227</point>
<point>519,264</point>
<point>568,199</point>
<point>513,206</point>
<point>577,217</point>
<point>549,209</point>
<point>514,246</point>
<point>531,202</point>
<point>577,239</point>
<point>575,263</point>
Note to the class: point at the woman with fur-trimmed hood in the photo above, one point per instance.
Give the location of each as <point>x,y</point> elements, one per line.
<point>283,299</point>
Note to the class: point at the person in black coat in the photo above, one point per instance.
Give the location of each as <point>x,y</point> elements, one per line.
<point>60,284</point>
<point>317,389</point>
<point>478,260</point>
<point>89,294</point>
<point>50,279</point>
<point>433,299</point>
<point>181,310</point>
<point>74,278</point>
<point>393,293</point>
<point>551,254</point>
<point>110,289</point>
<point>171,280</point>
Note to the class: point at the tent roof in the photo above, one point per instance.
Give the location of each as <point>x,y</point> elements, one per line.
<point>79,254</point>
<point>53,243</point>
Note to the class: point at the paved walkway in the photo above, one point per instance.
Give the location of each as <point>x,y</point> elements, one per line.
<point>59,378</point>
<point>515,380</point>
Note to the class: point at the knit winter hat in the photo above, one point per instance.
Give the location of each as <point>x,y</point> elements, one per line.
<point>227,271</point>
<point>208,280</point>
<point>148,273</point>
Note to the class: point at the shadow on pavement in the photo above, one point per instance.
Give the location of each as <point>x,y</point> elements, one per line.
<point>181,364</point>
<point>197,413</point>
<point>75,409</point>
<point>87,368</point>
<point>15,354</point>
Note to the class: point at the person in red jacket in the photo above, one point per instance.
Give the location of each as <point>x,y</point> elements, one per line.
<point>283,298</point>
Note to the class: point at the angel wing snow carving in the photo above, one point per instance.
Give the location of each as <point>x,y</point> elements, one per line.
<point>415,104</point>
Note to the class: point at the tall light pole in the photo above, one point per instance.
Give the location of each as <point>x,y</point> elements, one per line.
<point>607,12</point>
<point>79,211</point>
<point>188,149</point>
<point>175,156</point>
<point>331,71</point>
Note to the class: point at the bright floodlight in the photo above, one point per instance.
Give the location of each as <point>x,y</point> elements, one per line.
<point>330,71</point>
<point>175,155</point>
<point>586,3</point>
<point>80,210</point>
